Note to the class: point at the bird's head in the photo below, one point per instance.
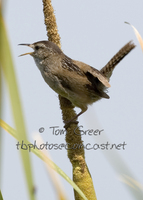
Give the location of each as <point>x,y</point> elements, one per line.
<point>43,49</point>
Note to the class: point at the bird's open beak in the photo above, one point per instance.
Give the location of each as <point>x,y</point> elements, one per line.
<point>26,54</point>
<point>30,53</point>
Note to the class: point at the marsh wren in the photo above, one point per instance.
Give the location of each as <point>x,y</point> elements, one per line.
<point>74,80</point>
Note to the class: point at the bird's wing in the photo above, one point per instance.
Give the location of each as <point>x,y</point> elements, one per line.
<point>100,77</point>
<point>94,72</point>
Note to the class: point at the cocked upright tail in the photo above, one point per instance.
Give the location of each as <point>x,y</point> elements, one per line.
<point>110,66</point>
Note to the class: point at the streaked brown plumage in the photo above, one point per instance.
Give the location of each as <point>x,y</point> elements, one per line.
<point>74,80</point>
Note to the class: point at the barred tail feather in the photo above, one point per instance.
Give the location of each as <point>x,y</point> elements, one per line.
<point>109,67</point>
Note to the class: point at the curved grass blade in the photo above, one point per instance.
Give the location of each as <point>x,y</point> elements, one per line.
<point>9,75</point>
<point>131,182</point>
<point>1,198</point>
<point>137,35</point>
<point>0,128</point>
<point>52,174</point>
<point>43,157</point>
<point>117,162</point>
<point>0,110</point>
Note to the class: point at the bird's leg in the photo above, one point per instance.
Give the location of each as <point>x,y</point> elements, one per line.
<point>67,123</point>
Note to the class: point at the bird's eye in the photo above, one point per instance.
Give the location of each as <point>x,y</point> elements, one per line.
<point>37,47</point>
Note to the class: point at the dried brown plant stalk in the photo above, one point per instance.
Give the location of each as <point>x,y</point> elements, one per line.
<point>81,175</point>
